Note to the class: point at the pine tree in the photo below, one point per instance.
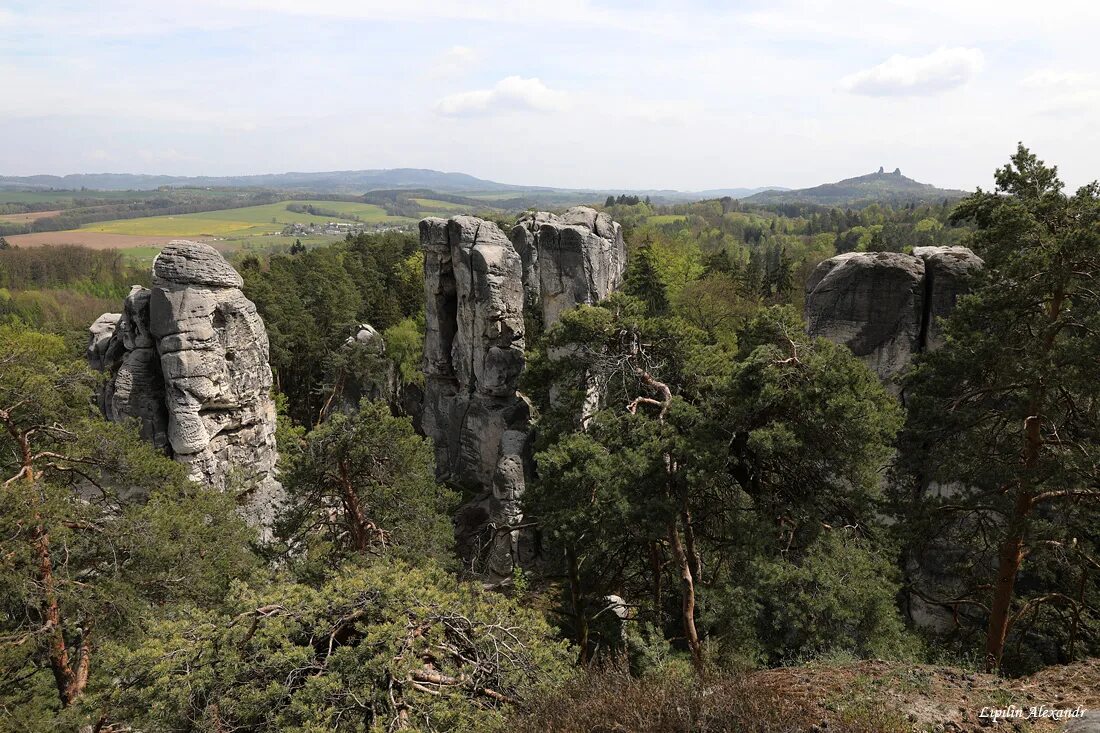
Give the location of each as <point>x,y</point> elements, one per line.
<point>644,282</point>
<point>1008,409</point>
<point>99,529</point>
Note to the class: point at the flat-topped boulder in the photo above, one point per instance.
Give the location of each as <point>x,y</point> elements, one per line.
<point>194,263</point>
<point>872,303</point>
<point>885,306</point>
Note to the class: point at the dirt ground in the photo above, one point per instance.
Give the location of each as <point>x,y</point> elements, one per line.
<point>947,699</point>
<point>93,240</point>
<point>28,217</point>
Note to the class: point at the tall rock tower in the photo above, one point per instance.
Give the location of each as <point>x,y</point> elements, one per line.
<point>189,359</point>
<point>479,285</point>
<point>885,307</point>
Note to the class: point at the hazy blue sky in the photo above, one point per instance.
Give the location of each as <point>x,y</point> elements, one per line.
<point>688,95</point>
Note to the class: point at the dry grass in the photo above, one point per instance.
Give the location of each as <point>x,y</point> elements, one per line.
<point>858,697</point>
<point>613,702</point>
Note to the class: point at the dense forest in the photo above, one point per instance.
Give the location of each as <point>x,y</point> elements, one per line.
<point>742,498</point>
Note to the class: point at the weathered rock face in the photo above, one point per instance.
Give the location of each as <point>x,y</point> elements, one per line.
<point>884,305</point>
<point>189,358</point>
<point>577,258</point>
<point>473,355</point>
<point>479,285</point>
<point>127,352</point>
<point>947,271</point>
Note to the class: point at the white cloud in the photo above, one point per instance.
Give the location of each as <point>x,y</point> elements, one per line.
<point>510,93</point>
<point>944,68</point>
<point>453,62</point>
<point>1075,103</point>
<point>1052,79</point>
<point>716,74</point>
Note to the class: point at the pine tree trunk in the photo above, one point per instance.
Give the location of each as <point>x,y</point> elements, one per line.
<point>1009,558</point>
<point>1010,555</point>
<point>1013,549</point>
<point>353,510</point>
<point>580,618</point>
<point>687,592</point>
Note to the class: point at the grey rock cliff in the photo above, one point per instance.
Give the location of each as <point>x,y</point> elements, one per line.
<point>189,358</point>
<point>577,258</point>
<point>479,285</point>
<point>884,306</point>
<point>947,271</point>
<point>128,353</point>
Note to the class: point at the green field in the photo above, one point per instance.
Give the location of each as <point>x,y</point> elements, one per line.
<point>370,213</point>
<point>241,246</point>
<point>490,196</point>
<point>245,222</point>
<point>435,206</point>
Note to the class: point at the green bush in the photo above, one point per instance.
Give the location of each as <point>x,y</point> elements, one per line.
<point>373,648</point>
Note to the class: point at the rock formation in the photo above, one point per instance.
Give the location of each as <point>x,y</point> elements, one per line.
<point>122,346</point>
<point>363,372</point>
<point>884,305</point>
<point>946,274</point>
<point>480,285</point>
<point>569,260</point>
<point>189,359</point>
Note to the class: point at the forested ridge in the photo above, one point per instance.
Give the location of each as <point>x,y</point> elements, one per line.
<point>741,507</point>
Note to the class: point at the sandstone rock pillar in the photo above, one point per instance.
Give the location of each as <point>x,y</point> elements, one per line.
<point>479,286</point>
<point>189,358</point>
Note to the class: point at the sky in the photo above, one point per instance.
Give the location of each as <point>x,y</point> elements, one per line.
<point>685,94</point>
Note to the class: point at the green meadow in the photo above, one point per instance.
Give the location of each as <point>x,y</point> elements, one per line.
<point>245,222</point>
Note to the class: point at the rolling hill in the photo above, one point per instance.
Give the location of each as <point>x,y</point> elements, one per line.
<point>324,182</point>
<point>464,188</point>
<point>880,187</point>
<point>381,181</point>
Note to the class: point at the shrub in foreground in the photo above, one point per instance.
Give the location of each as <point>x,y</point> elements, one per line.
<point>381,647</point>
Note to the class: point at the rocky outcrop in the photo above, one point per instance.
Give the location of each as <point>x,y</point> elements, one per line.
<point>126,350</point>
<point>483,289</point>
<point>568,260</point>
<point>884,306</point>
<point>189,359</point>
<point>947,272</point>
<point>473,356</point>
<point>363,371</point>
